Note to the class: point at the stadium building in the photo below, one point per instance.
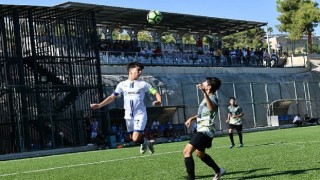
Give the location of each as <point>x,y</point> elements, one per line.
<point>54,63</point>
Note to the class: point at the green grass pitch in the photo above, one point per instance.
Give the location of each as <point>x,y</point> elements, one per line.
<point>276,154</point>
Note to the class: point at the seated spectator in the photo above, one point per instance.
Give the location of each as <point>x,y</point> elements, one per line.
<point>171,132</point>
<point>309,120</point>
<point>297,120</point>
<point>157,51</point>
<point>314,120</point>
<point>306,118</point>
<point>155,127</point>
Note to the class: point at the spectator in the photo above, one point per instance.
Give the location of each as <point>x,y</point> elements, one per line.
<point>157,52</point>
<point>94,130</point>
<point>87,126</point>
<point>233,56</point>
<point>101,140</point>
<point>274,57</point>
<point>279,48</point>
<point>155,127</point>
<point>239,55</point>
<point>307,119</point>
<point>297,120</point>
<point>200,46</point>
<point>267,58</point>
<point>217,56</point>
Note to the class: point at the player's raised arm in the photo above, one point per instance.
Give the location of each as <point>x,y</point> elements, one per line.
<point>154,92</point>
<point>106,101</point>
<point>158,101</point>
<point>189,121</point>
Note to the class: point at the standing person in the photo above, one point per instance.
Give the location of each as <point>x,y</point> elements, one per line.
<point>87,126</point>
<point>235,121</point>
<point>94,130</point>
<point>207,112</point>
<point>133,91</point>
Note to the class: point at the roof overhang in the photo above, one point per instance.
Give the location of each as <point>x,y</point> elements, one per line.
<point>280,107</point>
<point>160,113</point>
<point>136,18</point>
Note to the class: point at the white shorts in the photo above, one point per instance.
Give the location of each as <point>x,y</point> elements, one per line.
<point>137,124</point>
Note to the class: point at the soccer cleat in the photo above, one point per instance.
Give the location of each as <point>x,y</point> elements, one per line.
<point>143,147</point>
<point>240,146</point>
<point>231,146</point>
<point>151,148</point>
<point>217,176</point>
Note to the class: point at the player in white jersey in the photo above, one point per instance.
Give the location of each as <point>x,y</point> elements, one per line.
<point>202,139</point>
<point>133,91</point>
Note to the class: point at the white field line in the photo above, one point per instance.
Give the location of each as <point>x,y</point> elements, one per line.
<point>137,157</point>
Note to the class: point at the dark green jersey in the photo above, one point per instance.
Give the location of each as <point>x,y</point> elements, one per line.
<point>205,119</point>
<point>235,110</point>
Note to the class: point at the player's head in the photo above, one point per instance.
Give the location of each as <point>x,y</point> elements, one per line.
<point>214,83</point>
<point>232,100</point>
<point>135,69</point>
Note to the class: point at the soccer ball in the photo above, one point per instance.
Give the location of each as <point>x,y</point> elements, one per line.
<point>154,17</point>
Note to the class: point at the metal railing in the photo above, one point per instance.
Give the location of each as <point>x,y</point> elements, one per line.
<point>196,60</point>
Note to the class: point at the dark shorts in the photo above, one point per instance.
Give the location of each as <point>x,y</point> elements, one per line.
<point>236,127</point>
<point>200,141</point>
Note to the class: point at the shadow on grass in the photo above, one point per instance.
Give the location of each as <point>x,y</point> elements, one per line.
<point>246,174</point>
<point>237,172</point>
<point>268,144</point>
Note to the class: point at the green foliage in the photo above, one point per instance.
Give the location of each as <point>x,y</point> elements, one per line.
<point>167,38</point>
<point>284,154</point>
<point>188,39</point>
<point>252,38</point>
<point>117,35</point>
<point>297,17</point>
<point>145,36</point>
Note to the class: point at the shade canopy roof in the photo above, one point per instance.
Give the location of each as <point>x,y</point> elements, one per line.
<point>136,18</point>
<point>280,106</point>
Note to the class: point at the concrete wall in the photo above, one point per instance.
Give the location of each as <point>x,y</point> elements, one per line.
<point>255,88</point>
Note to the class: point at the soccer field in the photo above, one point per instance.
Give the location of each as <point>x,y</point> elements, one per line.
<point>276,154</point>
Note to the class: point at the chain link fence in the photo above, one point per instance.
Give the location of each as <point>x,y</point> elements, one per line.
<point>39,126</point>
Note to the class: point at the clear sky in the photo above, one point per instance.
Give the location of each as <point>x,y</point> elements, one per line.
<point>251,10</point>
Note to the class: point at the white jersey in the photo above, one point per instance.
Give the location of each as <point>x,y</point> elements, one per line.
<point>133,95</point>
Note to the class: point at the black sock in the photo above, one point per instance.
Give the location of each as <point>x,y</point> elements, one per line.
<point>231,138</point>
<point>189,162</point>
<point>240,137</point>
<point>141,140</point>
<point>210,162</point>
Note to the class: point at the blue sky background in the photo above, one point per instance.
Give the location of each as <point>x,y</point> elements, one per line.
<point>251,10</point>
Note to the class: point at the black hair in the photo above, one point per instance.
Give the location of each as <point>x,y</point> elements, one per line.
<point>135,64</point>
<point>232,98</point>
<point>214,82</point>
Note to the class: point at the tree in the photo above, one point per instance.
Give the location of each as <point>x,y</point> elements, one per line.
<point>253,38</point>
<point>145,36</point>
<point>270,30</point>
<point>167,37</point>
<point>298,18</point>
